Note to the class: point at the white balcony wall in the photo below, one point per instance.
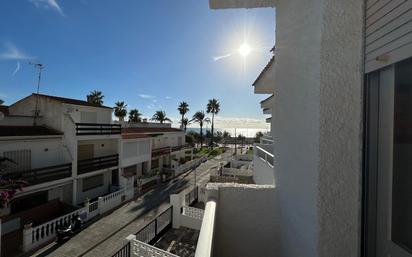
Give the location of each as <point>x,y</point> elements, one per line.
<point>263,169</point>
<point>95,192</point>
<point>134,151</point>
<point>43,152</point>
<point>246,220</point>
<point>88,114</point>
<point>102,147</point>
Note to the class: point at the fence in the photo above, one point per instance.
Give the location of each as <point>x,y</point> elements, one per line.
<point>192,196</point>
<point>124,251</point>
<point>192,212</point>
<point>36,236</point>
<point>156,227</point>
<point>142,249</point>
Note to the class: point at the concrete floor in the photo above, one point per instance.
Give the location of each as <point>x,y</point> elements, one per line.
<point>181,242</point>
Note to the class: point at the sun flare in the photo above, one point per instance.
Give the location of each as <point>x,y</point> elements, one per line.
<point>244,49</point>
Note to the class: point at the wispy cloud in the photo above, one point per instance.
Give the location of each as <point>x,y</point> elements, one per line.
<point>11,52</point>
<point>154,100</point>
<point>217,58</point>
<point>168,97</point>
<point>17,68</point>
<point>48,4</point>
<point>146,96</point>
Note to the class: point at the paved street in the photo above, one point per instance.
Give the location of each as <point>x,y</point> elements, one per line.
<point>105,236</point>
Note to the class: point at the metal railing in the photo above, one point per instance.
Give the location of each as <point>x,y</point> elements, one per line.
<point>41,175</point>
<point>123,252</point>
<point>152,231</point>
<point>180,147</point>
<point>97,163</point>
<point>264,155</point>
<point>192,196</point>
<point>161,151</point>
<point>84,129</point>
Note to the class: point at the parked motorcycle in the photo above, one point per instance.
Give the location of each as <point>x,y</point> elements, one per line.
<point>66,232</point>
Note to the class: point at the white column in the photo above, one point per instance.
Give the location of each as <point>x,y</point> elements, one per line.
<point>74,200</point>
<point>176,200</point>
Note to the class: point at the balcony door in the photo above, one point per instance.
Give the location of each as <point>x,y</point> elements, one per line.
<point>85,152</point>
<point>393,162</point>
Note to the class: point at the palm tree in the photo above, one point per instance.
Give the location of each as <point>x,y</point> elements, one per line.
<point>226,136</point>
<point>213,107</point>
<point>95,97</point>
<point>200,117</point>
<point>134,115</point>
<point>184,123</point>
<point>120,110</point>
<point>183,109</point>
<point>160,116</point>
<point>1,102</point>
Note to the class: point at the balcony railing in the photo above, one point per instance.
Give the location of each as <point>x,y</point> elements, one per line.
<point>84,129</point>
<point>97,163</point>
<point>180,147</point>
<point>160,151</point>
<point>41,175</point>
<point>205,241</point>
<point>265,155</point>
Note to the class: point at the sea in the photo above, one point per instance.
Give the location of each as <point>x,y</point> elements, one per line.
<point>247,132</point>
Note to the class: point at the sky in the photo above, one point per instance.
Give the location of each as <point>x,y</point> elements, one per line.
<point>152,54</point>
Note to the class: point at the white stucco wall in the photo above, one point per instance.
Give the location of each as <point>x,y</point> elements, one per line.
<point>141,151</point>
<point>103,115</point>
<point>317,124</point>
<point>95,192</point>
<point>245,222</point>
<point>263,173</point>
<point>50,110</point>
<point>102,147</point>
<point>44,151</point>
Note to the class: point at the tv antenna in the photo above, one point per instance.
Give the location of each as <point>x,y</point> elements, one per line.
<point>39,67</point>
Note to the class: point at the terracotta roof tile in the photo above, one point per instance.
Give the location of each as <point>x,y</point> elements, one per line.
<point>72,101</point>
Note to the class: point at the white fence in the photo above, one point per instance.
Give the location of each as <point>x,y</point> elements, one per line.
<point>140,249</point>
<point>192,212</point>
<point>36,236</point>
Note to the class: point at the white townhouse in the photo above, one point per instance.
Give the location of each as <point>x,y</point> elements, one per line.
<point>341,80</point>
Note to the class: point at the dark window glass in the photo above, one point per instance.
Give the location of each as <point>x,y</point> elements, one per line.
<point>402,157</point>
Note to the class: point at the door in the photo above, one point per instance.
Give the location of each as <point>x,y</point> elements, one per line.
<point>394,162</point>
<point>85,152</point>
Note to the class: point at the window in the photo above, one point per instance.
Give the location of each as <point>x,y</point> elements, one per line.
<point>155,163</point>
<point>93,182</point>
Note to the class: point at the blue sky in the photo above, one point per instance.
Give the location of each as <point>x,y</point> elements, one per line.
<point>149,53</point>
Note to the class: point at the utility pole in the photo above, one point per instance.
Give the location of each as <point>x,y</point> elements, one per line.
<point>39,67</point>
<point>235,143</point>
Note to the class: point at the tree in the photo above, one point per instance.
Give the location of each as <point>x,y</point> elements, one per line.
<point>9,185</point>
<point>258,135</point>
<point>1,102</point>
<point>185,122</point>
<point>200,117</point>
<point>226,137</point>
<point>213,107</point>
<point>95,97</point>
<point>218,136</point>
<point>120,110</point>
<point>134,116</point>
<point>160,116</point>
<point>183,109</point>
<point>241,139</point>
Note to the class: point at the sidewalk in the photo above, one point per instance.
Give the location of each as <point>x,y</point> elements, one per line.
<point>106,235</point>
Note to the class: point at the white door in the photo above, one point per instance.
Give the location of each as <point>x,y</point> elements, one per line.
<point>394,184</point>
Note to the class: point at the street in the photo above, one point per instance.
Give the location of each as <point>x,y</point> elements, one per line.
<point>106,235</point>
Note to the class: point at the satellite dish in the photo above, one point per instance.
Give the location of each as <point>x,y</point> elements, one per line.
<point>1,116</point>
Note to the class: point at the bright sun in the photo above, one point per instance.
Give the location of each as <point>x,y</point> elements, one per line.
<point>244,50</point>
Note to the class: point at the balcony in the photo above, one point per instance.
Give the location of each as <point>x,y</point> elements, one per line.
<point>87,129</point>
<point>41,175</point>
<point>180,147</point>
<point>97,163</point>
<point>226,226</point>
<point>160,151</point>
<point>263,164</point>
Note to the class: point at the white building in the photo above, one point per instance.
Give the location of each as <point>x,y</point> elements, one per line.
<point>341,84</point>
